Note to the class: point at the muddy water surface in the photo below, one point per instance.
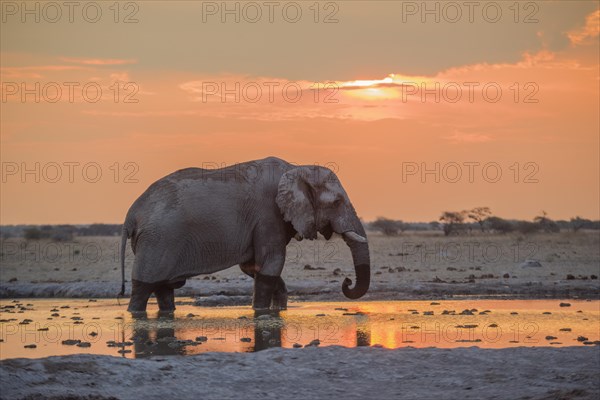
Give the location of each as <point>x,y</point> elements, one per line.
<point>40,328</point>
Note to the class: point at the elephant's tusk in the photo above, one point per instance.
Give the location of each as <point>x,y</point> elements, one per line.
<point>355,236</point>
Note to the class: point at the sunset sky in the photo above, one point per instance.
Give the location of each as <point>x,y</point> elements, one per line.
<point>519,97</point>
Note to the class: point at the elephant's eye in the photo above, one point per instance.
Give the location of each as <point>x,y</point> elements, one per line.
<point>337,202</point>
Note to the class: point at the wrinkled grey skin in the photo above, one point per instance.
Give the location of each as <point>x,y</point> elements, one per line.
<point>196,221</point>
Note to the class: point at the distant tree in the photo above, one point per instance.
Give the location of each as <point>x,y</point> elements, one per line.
<point>545,223</point>
<point>479,215</point>
<point>63,233</point>
<point>499,225</point>
<point>32,234</point>
<point>388,227</point>
<point>435,225</point>
<point>578,223</point>
<point>453,221</point>
<point>100,230</point>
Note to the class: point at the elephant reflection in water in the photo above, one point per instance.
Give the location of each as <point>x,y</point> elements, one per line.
<point>269,336</point>
<point>146,344</point>
<point>151,337</point>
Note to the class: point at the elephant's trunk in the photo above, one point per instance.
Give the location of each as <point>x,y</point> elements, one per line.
<point>359,247</point>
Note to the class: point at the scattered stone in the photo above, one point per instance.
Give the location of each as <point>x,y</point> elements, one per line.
<point>530,264</point>
<point>190,315</point>
<point>314,342</point>
<point>514,313</point>
<point>124,351</point>
<point>570,277</point>
<point>309,267</point>
<point>582,339</point>
<point>546,313</point>
<point>30,346</point>
<point>296,345</point>
<point>565,329</point>
<point>71,342</point>
<point>506,276</point>
<point>551,338</point>
<point>565,304</point>
<point>433,303</point>
<point>337,272</point>
<point>201,339</point>
<point>43,329</point>
<point>245,340</point>
<point>84,344</point>
<point>427,312</point>
<point>320,315</point>
<point>340,309</point>
<point>93,334</point>
<point>593,277</point>
<point>493,325</point>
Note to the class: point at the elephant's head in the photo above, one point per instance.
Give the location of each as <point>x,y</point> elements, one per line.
<point>313,200</point>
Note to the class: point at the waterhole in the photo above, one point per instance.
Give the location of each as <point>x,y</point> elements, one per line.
<point>34,328</point>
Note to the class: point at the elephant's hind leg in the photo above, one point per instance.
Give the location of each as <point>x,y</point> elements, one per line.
<point>165,297</point>
<point>140,293</point>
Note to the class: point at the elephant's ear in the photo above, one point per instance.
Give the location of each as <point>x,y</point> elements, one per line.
<point>296,200</point>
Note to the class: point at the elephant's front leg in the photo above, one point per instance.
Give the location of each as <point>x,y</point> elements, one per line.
<point>264,289</point>
<point>279,296</point>
<point>270,258</point>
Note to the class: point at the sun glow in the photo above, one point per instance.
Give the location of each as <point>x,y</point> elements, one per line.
<point>390,87</point>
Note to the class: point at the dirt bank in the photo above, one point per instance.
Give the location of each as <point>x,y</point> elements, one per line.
<point>313,373</point>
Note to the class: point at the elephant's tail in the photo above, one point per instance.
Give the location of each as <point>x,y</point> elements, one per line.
<point>124,237</point>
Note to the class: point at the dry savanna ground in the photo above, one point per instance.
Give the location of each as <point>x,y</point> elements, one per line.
<point>411,260</point>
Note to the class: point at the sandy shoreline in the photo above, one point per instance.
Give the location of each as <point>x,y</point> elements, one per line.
<point>314,373</point>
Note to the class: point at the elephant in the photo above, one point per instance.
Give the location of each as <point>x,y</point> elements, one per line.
<point>198,221</point>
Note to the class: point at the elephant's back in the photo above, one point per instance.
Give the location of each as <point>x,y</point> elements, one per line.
<point>184,227</point>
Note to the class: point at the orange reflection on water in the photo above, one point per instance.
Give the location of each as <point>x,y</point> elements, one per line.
<point>193,330</point>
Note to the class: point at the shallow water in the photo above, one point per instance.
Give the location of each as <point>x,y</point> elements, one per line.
<point>391,324</point>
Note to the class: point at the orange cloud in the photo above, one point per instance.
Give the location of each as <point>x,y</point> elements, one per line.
<point>587,33</point>
<point>98,61</point>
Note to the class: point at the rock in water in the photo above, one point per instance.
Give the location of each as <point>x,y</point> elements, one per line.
<point>530,263</point>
